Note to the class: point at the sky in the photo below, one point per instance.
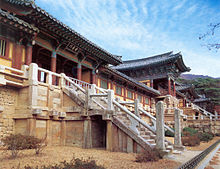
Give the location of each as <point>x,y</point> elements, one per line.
<point>137,29</point>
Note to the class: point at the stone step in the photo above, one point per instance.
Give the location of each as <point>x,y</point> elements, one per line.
<point>169,148</point>
<point>151,141</point>
<point>146,137</point>
<point>153,145</point>
<point>152,136</point>
<point>166,152</point>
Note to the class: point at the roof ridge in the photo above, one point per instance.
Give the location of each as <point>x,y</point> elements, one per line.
<point>155,56</point>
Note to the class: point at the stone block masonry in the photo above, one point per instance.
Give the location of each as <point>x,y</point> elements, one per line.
<point>8,99</point>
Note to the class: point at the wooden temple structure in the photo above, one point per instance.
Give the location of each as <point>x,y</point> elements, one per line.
<point>50,75</point>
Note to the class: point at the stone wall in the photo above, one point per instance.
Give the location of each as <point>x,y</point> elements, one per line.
<point>8,100</point>
<point>205,125</point>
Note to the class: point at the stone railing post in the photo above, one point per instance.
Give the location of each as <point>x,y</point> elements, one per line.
<point>117,110</point>
<point>177,127</point>
<point>33,73</point>
<point>136,107</point>
<point>216,115</point>
<point>2,77</point>
<point>93,89</point>
<point>33,82</point>
<point>160,137</point>
<point>25,69</point>
<point>62,80</point>
<point>49,78</point>
<point>194,117</point>
<point>202,117</point>
<point>90,92</point>
<point>110,98</point>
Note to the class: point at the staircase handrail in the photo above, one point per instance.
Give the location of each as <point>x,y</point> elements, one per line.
<point>133,116</point>
<point>210,114</point>
<point>71,81</point>
<point>80,82</point>
<point>75,84</point>
<point>154,119</point>
<point>104,91</point>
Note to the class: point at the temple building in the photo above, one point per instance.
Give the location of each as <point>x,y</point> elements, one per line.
<point>58,85</point>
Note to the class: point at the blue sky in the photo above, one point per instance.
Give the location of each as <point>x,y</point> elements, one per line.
<point>141,28</point>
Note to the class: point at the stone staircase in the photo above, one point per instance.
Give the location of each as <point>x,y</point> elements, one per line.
<point>146,135</point>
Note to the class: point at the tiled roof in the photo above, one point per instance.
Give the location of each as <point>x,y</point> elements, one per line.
<point>190,88</point>
<point>145,87</point>
<point>62,29</point>
<point>13,20</point>
<point>183,87</point>
<point>201,100</point>
<point>153,61</point>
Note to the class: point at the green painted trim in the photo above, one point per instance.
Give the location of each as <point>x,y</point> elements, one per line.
<point>65,56</point>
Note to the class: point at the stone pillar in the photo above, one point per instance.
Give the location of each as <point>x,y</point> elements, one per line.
<point>110,100</point>
<point>174,89</point>
<point>93,77</point>
<point>32,127</point>
<point>79,71</point>
<point>63,133</point>
<point>202,117</point>
<point>49,132</point>
<point>28,58</point>
<point>87,137</point>
<point>136,109</point>
<point>33,82</point>
<point>177,126</point>
<point>160,137</point>
<point>169,86</point>
<point>216,115</point>
<point>109,135</point>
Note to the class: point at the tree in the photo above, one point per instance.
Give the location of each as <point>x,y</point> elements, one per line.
<point>212,36</point>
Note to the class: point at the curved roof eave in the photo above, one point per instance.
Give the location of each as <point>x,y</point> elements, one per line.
<point>181,64</point>
<point>31,4</point>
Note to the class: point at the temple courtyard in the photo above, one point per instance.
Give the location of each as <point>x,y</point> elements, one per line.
<point>56,154</point>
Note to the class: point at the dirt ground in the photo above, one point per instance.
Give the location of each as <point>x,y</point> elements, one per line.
<point>110,160</point>
<point>56,154</point>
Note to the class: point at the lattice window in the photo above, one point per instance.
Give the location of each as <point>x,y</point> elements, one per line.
<point>118,90</point>
<point>2,47</point>
<point>146,100</point>
<point>104,84</point>
<point>130,94</point>
<point>139,97</point>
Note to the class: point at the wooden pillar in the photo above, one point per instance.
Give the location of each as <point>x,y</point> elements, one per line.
<point>184,102</point>
<point>93,77</point>
<point>174,89</point>
<point>28,54</point>
<point>169,86</point>
<point>53,61</point>
<point>79,71</point>
<point>53,64</point>
<point>124,93</point>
